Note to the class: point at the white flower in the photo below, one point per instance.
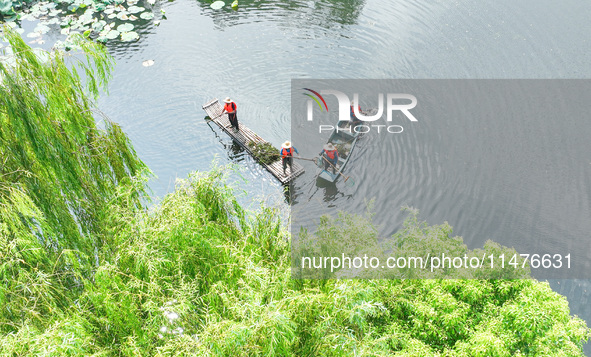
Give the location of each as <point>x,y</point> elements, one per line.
<point>178,330</point>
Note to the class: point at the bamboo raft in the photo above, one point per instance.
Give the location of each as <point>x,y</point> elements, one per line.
<point>214,110</point>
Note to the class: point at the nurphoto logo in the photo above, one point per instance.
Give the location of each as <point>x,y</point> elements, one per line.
<point>350,110</point>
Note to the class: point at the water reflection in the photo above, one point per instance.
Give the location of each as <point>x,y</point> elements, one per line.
<point>300,14</point>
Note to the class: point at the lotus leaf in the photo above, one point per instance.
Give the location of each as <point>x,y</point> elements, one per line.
<point>113,34</point>
<point>147,15</point>
<point>235,3</point>
<point>41,29</point>
<point>125,27</point>
<point>99,25</point>
<point>132,18</point>
<point>65,31</point>
<point>123,16</point>
<point>5,6</point>
<point>129,36</point>
<point>135,9</point>
<point>217,5</point>
<point>112,16</point>
<point>86,19</point>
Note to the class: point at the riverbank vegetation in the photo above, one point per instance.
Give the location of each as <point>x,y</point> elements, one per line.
<point>87,269</point>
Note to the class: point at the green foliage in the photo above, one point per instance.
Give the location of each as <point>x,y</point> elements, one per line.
<point>355,236</point>
<point>6,7</point>
<point>343,149</point>
<point>226,274</point>
<point>50,143</point>
<point>58,179</point>
<point>264,152</point>
<point>197,275</point>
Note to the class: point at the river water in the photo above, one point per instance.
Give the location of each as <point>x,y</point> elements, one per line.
<point>252,54</point>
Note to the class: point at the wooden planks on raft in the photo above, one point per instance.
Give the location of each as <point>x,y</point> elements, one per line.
<point>244,136</point>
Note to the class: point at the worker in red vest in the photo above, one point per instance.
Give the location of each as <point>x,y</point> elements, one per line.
<point>286,153</point>
<point>330,157</point>
<point>230,108</point>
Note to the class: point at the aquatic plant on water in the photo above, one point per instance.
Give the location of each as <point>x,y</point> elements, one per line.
<point>102,20</point>
<point>264,152</point>
<point>343,149</point>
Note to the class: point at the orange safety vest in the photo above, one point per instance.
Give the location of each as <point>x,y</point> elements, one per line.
<point>352,112</point>
<point>287,152</point>
<point>230,107</point>
<point>331,154</point>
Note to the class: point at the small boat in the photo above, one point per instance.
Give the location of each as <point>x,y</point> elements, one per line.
<point>344,139</point>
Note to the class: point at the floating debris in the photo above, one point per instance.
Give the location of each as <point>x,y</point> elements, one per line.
<point>148,63</point>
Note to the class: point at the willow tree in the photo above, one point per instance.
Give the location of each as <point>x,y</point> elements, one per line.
<point>60,173</point>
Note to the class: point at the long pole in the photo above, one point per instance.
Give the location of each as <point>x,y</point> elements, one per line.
<point>334,167</point>
<point>325,159</point>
